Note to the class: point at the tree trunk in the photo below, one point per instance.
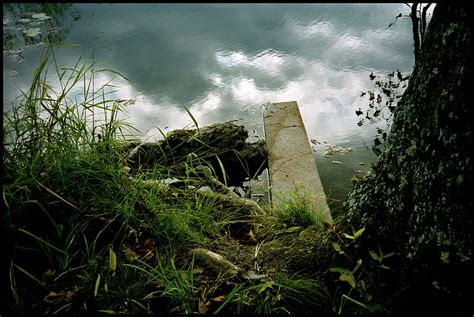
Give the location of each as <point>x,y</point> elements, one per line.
<point>418,199</point>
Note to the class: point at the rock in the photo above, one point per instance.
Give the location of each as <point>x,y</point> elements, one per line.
<point>219,143</point>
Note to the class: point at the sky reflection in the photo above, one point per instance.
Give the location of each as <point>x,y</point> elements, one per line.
<point>223,61</point>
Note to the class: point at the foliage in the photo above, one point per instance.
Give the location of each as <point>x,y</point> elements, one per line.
<point>283,294</point>
<point>362,275</point>
<point>419,19</point>
<point>383,100</point>
<point>387,92</point>
<point>86,236</point>
<point>27,24</point>
<point>416,200</point>
<point>74,217</point>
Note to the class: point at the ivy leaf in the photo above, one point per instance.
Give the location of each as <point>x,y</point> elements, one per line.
<point>350,279</point>
<point>346,275</point>
<point>374,255</point>
<point>336,247</point>
<point>338,270</point>
<point>348,236</point>
<point>358,264</point>
<point>377,151</point>
<point>266,285</point>
<point>358,233</point>
<point>387,92</point>
<point>377,142</point>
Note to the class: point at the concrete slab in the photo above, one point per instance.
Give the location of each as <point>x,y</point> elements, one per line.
<point>291,163</point>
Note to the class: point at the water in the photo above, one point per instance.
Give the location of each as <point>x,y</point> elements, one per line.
<point>223,61</point>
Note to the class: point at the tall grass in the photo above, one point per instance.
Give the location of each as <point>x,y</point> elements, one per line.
<point>68,199</point>
<point>295,210</point>
<point>85,236</point>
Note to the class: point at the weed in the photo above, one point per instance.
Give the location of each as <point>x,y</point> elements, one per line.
<point>296,210</point>
<point>361,274</point>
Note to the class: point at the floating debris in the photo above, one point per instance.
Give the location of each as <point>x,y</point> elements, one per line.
<point>336,162</point>
<point>36,23</point>
<point>40,16</point>
<point>333,149</point>
<point>54,30</point>
<point>15,55</point>
<point>32,32</point>
<point>10,73</point>
<point>24,20</point>
<point>315,142</point>
<point>126,102</point>
<point>253,133</point>
<point>361,163</point>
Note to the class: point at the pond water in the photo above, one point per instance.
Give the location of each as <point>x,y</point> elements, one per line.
<point>223,61</point>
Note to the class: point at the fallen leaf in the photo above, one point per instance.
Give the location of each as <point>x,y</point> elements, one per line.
<point>56,298</point>
<point>218,298</point>
<point>128,253</point>
<point>266,285</point>
<point>198,270</point>
<point>112,261</point>
<point>148,244</point>
<point>49,275</point>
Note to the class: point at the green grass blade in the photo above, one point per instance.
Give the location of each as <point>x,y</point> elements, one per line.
<point>42,241</point>
<point>192,117</point>
<point>56,195</point>
<point>31,276</point>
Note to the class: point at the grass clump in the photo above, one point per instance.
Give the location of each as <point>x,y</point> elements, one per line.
<point>85,235</point>
<point>282,294</point>
<point>295,210</point>
<point>69,200</point>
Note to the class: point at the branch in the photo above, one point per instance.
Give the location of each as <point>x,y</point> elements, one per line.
<point>217,260</point>
<point>423,20</point>
<point>416,35</point>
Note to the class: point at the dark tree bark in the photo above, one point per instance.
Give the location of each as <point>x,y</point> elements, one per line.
<point>418,200</point>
